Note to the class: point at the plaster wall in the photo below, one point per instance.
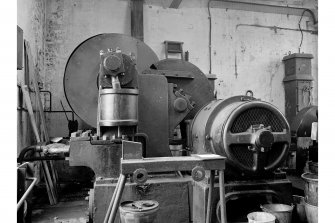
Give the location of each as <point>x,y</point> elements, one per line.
<point>31,19</point>
<point>70,22</point>
<point>246,55</point>
<point>247,48</point>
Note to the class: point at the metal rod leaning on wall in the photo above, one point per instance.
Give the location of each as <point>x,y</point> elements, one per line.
<point>53,172</point>
<point>25,195</point>
<point>48,180</point>
<point>223,214</point>
<point>210,196</point>
<point>111,203</point>
<point>118,196</point>
<point>31,70</point>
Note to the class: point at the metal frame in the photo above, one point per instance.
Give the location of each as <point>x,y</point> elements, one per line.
<point>210,162</point>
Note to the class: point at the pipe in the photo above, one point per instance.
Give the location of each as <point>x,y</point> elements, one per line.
<point>118,196</point>
<point>210,197</point>
<point>275,6</point>
<point>25,195</point>
<point>222,197</point>
<point>50,106</point>
<point>47,149</point>
<point>111,203</point>
<point>25,150</point>
<point>210,36</point>
<point>56,148</point>
<point>44,158</point>
<point>275,28</point>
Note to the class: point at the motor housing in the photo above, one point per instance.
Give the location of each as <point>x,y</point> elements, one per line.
<point>253,135</point>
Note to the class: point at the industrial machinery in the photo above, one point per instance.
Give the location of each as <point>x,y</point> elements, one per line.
<point>253,134</point>
<point>131,100</point>
<point>304,147</point>
<point>255,138</point>
<point>131,110</point>
<point>299,110</point>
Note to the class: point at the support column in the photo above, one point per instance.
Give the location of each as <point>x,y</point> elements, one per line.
<point>136,17</point>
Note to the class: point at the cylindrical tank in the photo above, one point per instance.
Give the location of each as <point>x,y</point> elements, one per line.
<point>118,107</point>
<point>143,211</point>
<point>252,134</point>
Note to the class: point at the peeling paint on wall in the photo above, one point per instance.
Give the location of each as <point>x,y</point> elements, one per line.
<point>70,22</point>
<point>31,19</point>
<point>247,47</point>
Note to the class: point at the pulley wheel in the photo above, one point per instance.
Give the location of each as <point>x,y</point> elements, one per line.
<point>81,71</point>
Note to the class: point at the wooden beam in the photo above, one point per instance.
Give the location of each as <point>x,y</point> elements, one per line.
<point>136,17</point>
<point>175,4</point>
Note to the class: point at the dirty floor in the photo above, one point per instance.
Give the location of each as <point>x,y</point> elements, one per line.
<point>73,203</point>
<point>71,208</point>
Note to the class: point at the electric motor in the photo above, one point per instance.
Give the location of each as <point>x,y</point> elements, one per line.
<point>253,135</point>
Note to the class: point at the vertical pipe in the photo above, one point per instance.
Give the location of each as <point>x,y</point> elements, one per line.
<point>118,196</point>
<point>111,202</point>
<point>210,36</point>
<point>210,195</point>
<point>222,197</point>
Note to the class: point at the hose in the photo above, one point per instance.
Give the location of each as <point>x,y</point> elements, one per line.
<point>25,150</point>
<point>56,148</point>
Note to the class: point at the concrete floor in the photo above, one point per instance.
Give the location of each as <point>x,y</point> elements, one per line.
<point>63,212</point>
<point>73,203</point>
<point>71,208</point>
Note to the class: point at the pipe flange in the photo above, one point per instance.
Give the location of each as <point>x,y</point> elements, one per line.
<point>198,173</point>
<point>140,176</point>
